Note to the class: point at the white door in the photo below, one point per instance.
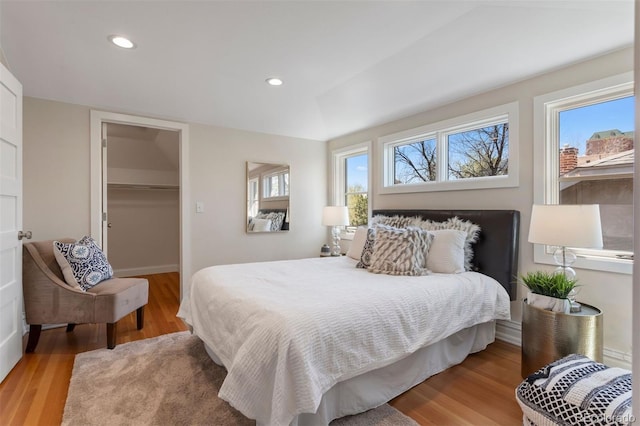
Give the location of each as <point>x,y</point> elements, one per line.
<point>10,221</point>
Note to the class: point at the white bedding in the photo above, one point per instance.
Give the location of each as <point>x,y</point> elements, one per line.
<point>288,331</point>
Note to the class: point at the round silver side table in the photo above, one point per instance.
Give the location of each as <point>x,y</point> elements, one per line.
<point>548,336</point>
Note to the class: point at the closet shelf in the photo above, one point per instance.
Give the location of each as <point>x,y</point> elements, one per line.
<point>142,186</point>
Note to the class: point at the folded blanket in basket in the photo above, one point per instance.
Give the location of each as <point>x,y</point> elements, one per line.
<point>576,390</point>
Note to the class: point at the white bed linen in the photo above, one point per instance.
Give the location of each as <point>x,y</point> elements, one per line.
<point>288,331</point>
<point>373,388</point>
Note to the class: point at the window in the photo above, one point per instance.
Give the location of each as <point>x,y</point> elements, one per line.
<point>587,158</point>
<point>474,151</point>
<point>276,185</point>
<point>254,200</point>
<point>356,192</point>
<point>351,183</point>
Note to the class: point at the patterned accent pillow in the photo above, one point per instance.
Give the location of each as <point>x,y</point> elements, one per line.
<point>83,264</point>
<point>400,251</point>
<point>277,218</point>
<point>396,221</point>
<point>367,251</point>
<point>471,229</point>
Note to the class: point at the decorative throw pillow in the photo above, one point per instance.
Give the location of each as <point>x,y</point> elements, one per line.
<point>367,251</point>
<point>446,254</point>
<point>357,244</point>
<point>261,225</point>
<point>83,264</point>
<point>276,220</point>
<point>471,229</point>
<point>396,221</point>
<point>400,251</point>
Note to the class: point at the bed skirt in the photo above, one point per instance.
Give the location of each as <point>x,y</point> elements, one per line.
<point>374,388</point>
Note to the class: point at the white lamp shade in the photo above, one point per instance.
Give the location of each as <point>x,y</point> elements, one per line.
<point>566,225</point>
<point>335,216</point>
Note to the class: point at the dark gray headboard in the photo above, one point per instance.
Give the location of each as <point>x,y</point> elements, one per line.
<point>496,252</point>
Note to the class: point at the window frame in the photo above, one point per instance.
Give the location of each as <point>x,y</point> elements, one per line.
<point>266,187</point>
<point>440,131</point>
<point>546,159</point>
<point>253,201</point>
<point>338,172</point>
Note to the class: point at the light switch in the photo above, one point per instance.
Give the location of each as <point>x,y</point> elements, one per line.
<point>199,207</point>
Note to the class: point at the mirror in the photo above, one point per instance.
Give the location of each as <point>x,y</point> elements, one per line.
<point>267,197</point>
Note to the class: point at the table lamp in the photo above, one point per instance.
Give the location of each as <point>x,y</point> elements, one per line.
<point>563,226</point>
<point>335,216</point>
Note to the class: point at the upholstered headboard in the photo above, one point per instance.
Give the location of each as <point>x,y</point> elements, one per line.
<point>496,251</point>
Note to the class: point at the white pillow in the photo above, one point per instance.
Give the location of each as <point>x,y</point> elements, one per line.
<point>357,244</point>
<point>446,254</point>
<point>261,225</point>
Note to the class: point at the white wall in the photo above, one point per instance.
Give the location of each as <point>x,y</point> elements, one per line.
<point>610,292</point>
<point>218,177</point>
<point>145,234</point>
<point>57,194</point>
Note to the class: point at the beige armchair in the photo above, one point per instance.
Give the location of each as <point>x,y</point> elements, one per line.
<point>49,300</point>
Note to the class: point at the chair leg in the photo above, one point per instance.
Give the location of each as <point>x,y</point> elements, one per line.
<point>140,317</point>
<point>34,336</point>
<point>70,327</point>
<point>111,335</point>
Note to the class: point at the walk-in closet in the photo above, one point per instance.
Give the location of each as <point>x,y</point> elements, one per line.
<point>142,200</point>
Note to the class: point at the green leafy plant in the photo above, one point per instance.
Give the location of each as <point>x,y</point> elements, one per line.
<point>550,284</point>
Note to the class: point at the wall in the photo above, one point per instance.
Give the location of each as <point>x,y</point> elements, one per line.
<point>145,233</point>
<point>57,194</point>
<point>611,292</point>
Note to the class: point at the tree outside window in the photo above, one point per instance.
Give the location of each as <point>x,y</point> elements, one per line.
<point>356,189</point>
<point>479,152</point>
<point>415,162</point>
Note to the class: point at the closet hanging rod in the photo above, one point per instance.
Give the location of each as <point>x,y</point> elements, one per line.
<point>135,186</point>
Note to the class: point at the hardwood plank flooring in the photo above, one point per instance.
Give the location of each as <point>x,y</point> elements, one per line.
<point>480,391</point>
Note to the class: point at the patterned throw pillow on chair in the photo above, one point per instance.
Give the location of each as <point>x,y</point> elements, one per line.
<point>83,263</point>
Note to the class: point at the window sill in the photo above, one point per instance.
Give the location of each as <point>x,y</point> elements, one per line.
<point>508,181</point>
<point>594,263</point>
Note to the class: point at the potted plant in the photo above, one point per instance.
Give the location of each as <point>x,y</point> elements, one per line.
<point>549,290</point>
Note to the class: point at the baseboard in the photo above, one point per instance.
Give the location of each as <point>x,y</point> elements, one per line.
<point>615,358</point>
<point>146,270</point>
<point>511,332</point>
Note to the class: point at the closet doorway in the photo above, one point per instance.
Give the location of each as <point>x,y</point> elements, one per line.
<point>138,194</point>
<point>142,235</point>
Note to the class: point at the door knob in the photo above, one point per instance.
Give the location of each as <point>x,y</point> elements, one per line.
<point>26,235</point>
<point>109,225</point>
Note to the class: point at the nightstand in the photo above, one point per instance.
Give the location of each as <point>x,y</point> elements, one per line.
<point>548,336</point>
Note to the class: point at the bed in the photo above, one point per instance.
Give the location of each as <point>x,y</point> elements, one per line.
<point>311,340</point>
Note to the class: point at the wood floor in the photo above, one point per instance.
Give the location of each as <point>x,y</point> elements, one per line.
<point>480,391</point>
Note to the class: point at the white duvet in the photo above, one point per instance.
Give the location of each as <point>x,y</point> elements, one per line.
<point>288,331</point>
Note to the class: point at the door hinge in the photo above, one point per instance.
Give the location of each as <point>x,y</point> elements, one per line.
<point>104,216</point>
<point>104,143</point>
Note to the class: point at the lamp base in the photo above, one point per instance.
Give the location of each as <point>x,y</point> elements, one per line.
<point>335,245</point>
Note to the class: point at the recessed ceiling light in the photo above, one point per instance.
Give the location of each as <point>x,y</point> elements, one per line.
<point>274,81</point>
<point>120,41</point>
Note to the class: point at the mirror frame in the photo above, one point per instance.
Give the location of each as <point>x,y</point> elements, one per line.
<point>257,203</point>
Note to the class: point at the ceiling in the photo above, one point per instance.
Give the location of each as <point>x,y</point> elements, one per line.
<point>346,65</point>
